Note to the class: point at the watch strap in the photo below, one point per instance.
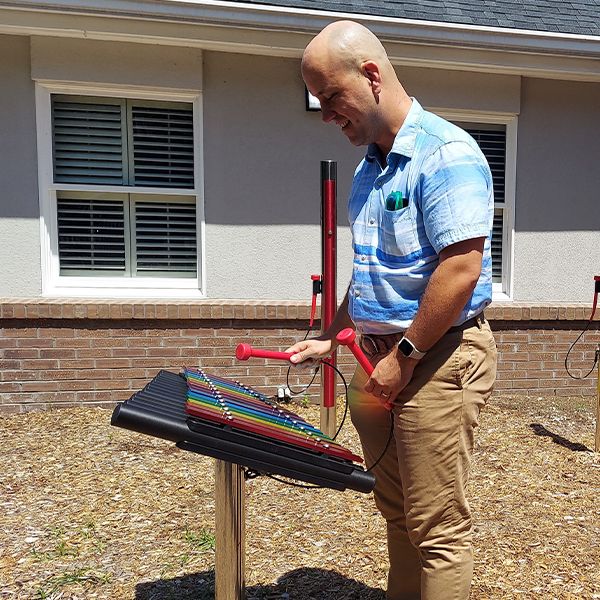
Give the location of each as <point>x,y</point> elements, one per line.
<point>409,350</point>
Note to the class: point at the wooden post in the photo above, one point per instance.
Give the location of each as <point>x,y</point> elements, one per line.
<point>597,444</point>
<point>230,517</point>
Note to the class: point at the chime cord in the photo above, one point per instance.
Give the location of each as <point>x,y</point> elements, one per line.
<point>387,444</point>
<point>587,326</point>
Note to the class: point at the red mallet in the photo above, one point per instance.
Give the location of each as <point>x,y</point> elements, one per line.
<point>245,351</point>
<point>347,337</point>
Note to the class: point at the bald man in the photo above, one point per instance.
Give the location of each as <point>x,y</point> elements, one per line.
<point>421,212</point>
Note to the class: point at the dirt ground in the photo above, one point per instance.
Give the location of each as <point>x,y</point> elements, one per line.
<point>92,511</point>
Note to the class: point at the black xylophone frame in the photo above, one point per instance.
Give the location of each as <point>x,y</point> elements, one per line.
<point>159,410</point>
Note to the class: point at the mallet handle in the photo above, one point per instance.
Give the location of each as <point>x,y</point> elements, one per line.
<point>245,351</point>
<point>347,337</point>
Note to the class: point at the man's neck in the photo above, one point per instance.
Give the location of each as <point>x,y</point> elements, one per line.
<point>395,124</point>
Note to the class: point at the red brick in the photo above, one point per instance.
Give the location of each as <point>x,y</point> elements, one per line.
<point>18,375</point>
<point>6,387</point>
<point>40,386</point>
<point>94,352</point>
<point>228,312</point>
<point>163,352</point>
<point>112,363</point>
<point>35,343</point>
<point>57,353</point>
<point>39,364</point>
<point>111,384</point>
<point>128,373</point>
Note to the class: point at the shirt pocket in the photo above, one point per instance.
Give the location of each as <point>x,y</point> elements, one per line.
<point>398,235</point>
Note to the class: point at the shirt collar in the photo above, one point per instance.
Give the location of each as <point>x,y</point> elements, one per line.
<point>404,142</point>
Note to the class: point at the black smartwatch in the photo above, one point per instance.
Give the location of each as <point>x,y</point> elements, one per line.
<point>409,350</point>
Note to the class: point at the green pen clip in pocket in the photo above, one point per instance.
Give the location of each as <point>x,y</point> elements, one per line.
<point>396,201</point>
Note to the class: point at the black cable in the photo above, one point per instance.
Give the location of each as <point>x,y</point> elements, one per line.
<point>571,348</point>
<point>287,376</point>
<point>387,444</point>
<point>345,395</point>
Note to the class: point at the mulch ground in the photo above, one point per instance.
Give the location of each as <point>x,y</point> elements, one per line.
<point>92,511</point>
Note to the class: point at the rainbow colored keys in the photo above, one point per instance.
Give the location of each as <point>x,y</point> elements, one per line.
<point>235,405</point>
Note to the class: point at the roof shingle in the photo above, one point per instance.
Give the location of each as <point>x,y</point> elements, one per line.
<point>581,17</point>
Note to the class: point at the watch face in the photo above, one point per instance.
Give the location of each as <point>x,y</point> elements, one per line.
<point>405,347</point>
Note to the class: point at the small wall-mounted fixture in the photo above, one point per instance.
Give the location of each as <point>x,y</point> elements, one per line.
<point>312,102</point>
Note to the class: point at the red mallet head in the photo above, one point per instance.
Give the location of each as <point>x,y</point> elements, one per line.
<point>243,351</point>
<point>346,336</point>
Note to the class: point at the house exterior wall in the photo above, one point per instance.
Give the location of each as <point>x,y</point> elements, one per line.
<point>557,220</point>
<point>20,267</point>
<point>55,354</point>
<point>261,164</point>
<point>262,168</point>
<point>262,151</point>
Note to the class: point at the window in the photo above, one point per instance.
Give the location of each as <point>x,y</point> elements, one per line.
<point>492,141</point>
<point>496,136</point>
<point>122,205</point>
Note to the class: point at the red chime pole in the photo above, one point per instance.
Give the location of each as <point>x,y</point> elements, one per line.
<point>329,293</point>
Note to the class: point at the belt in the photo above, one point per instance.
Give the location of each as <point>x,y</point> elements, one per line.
<point>372,344</point>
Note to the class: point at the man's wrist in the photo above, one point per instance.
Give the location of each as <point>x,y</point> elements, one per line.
<point>407,349</point>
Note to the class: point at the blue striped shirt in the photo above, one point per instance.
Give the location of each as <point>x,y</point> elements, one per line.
<point>443,174</point>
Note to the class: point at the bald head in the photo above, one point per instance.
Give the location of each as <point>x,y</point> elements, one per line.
<point>347,45</point>
<point>347,68</point>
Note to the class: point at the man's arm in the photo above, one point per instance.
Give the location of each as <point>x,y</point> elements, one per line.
<point>447,292</point>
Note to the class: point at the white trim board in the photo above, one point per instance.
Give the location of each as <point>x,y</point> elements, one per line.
<point>280,31</point>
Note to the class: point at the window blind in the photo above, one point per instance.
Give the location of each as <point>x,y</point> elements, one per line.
<point>165,237</point>
<point>492,141</point>
<point>88,142</point>
<point>163,147</point>
<point>91,236</point>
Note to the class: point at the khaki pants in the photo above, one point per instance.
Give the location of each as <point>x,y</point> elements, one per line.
<point>421,480</point>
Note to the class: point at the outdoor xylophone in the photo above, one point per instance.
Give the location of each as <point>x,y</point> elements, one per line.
<point>224,419</point>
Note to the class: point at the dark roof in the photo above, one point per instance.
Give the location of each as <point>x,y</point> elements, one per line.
<point>579,17</point>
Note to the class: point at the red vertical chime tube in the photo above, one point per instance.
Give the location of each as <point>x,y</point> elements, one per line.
<point>329,264</point>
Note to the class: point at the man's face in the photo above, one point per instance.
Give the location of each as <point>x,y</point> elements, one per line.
<point>346,99</point>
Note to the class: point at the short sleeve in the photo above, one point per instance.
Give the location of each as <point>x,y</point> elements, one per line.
<point>456,195</point>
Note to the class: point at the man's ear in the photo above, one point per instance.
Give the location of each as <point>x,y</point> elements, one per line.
<point>371,71</point>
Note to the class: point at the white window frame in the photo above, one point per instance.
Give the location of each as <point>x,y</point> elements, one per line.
<point>502,291</point>
<point>56,285</point>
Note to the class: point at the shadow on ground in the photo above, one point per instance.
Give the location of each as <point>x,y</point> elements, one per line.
<point>558,439</point>
<point>300,584</point>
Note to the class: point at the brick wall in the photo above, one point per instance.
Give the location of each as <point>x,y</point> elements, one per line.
<point>61,353</point>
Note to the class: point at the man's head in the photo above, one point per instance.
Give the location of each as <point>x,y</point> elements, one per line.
<point>347,68</point>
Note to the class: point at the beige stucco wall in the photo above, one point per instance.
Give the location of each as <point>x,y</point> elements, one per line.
<point>557,219</point>
<point>19,209</point>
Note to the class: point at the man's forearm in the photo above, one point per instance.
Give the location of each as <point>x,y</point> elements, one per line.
<point>448,291</point>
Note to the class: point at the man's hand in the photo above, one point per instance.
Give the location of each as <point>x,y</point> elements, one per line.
<point>308,352</point>
<point>390,376</point>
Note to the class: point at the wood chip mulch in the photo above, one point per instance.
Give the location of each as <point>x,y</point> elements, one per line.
<point>91,511</point>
